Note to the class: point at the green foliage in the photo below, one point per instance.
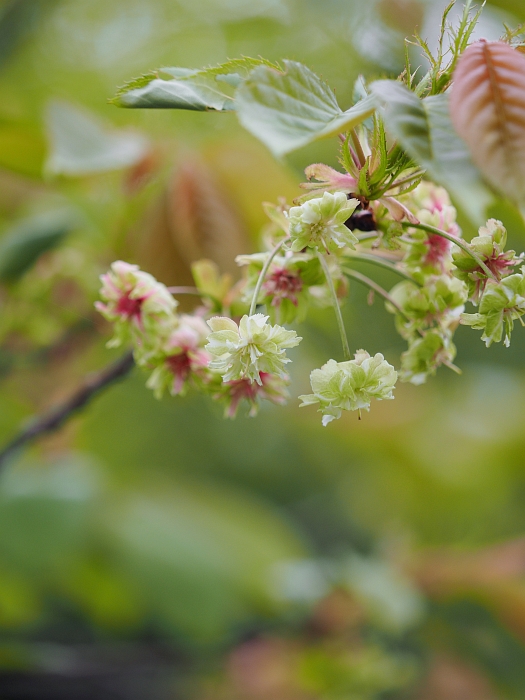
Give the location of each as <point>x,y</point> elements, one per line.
<point>289,110</point>
<point>423,127</point>
<point>80,144</point>
<point>452,42</point>
<point>195,89</point>
<point>284,109</point>
<point>23,244</point>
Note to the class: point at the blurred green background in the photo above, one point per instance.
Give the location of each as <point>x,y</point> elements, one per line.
<point>154,550</point>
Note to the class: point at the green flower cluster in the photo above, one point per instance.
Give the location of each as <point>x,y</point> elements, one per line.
<point>246,361</point>
<point>490,248</point>
<point>239,364</point>
<point>427,317</point>
<point>351,385</point>
<point>294,283</point>
<point>501,304</point>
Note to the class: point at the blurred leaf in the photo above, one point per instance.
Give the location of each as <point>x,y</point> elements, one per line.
<point>23,244</point>
<point>43,512</point>
<point>390,597</point>
<point>196,220</point>
<point>17,18</point>
<point>209,280</point>
<point>195,89</point>
<point>19,603</point>
<point>487,104</point>
<point>424,129</point>
<point>81,145</point>
<point>202,553</point>
<point>104,594</point>
<point>21,149</point>
<point>289,110</point>
<point>477,635</point>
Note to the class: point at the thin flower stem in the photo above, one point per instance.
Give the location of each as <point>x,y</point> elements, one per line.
<point>367,236</point>
<point>264,271</point>
<point>457,241</point>
<point>380,262</point>
<point>339,316</point>
<point>376,288</point>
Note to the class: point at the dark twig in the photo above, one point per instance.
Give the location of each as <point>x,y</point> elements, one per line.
<point>58,415</point>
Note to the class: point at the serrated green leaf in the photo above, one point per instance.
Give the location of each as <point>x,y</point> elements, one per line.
<point>81,145</point>
<point>21,247</point>
<point>289,110</point>
<point>424,129</point>
<point>178,93</point>
<point>207,89</point>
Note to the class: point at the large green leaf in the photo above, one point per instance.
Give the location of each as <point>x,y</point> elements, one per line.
<point>285,109</point>
<point>291,109</point>
<point>424,129</point>
<point>198,90</point>
<point>81,145</point>
<point>180,92</point>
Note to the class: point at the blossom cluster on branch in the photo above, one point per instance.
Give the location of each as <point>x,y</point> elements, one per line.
<point>311,249</point>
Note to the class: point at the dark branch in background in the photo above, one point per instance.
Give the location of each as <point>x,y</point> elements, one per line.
<point>58,415</point>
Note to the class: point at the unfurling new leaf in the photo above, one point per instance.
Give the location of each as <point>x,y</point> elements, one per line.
<point>487,105</point>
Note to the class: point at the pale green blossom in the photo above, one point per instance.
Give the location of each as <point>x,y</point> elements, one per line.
<point>319,223</point>
<point>351,385</point>
<point>244,351</point>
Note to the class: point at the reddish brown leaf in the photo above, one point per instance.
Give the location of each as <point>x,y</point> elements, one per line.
<point>487,105</point>
<point>193,219</point>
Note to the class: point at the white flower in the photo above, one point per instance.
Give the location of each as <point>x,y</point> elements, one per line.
<point>320,223</point>
<point>244,351</point>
